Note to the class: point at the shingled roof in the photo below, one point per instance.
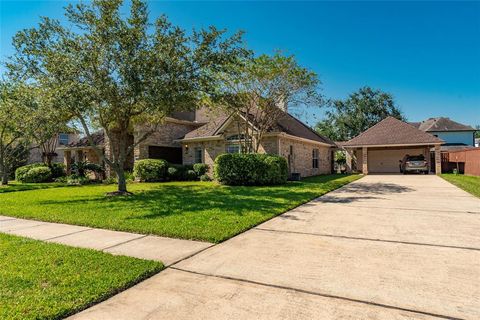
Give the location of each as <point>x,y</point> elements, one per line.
<point>286,123</point>
<point>391,131</point>
<point>441,124</point>
<point>98,139</point>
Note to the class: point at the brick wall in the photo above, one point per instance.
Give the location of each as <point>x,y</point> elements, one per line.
<point>301,160</point>
<point>167,135</point>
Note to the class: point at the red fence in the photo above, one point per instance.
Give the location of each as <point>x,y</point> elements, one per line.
<point>469,159</point>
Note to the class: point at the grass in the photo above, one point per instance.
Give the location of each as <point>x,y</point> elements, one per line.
<point>470,184</point>
<point>190,210</point>
<point>41,280</point>
<point>14,186</point>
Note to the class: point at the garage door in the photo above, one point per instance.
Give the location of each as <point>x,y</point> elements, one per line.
<point>387,161</point>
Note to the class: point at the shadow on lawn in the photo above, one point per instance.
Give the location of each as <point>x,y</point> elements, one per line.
<point>165,200</point>
<point>15,187</point>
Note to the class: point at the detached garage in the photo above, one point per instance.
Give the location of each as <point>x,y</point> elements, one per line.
<point>380,148</point>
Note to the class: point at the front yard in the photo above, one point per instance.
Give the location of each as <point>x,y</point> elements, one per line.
<point>190,210</point>
<point>41,280</point>
<point>468,183</point>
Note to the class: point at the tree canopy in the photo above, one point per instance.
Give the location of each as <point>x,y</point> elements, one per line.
<point>345,119</point>
<point>259,90</point>
<point>117,72</point>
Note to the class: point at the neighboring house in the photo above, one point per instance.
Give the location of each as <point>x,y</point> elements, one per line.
<point>63,139</point>
<point>380,148</point>
<point>455,135</point>
<point>307,152</point>
<point>199,137</point>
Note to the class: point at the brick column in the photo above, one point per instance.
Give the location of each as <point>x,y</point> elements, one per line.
<point>67,160</point>
<point>364,160</point>
<point>438,160</point>
<point>349,160</point>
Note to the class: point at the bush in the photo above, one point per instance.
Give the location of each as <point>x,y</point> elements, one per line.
<point>205,177</point>
<point>200,169</point>
<point>38,174</point>
<point>76,180</point>
<point>22,171</point>
<point>250,169</point>
<point>178,172</point>
<point>190,175</point>
<point>58,170</point>
<point>150,170</point>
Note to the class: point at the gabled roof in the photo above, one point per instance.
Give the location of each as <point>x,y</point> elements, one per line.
<point>391,131</point>
<point>98,139</point>
<point>441,124</point>
<point>286,123</point>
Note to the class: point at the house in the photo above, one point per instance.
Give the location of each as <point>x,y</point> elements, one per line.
<point>455,135</point>
<point>380,148</point>
<point>62,140</point>
<point>307,152</point>
<point>200,136</point>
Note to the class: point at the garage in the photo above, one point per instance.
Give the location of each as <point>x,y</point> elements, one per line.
<point>387,160</point>
<point>380,148</point>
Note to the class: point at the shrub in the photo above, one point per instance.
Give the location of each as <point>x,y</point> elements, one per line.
<point>250,169</point>
<point>190,175</point>
<point>38,174</point>
<point>150,170</point>
<point>58,170</point>
<point>76,180</point>
<point>205,177</point>
<point>81,168</point>
<point>22,171</point>
<point>200,169</point>
<point>178,172</point>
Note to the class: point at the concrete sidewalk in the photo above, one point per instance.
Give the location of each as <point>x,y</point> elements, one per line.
<point>166,250</point>
<point>382,247</point>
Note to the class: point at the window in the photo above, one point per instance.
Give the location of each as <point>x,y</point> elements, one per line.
<point>233,148</point>
<point>315,158</point>
<point>63,139</point>
<point>198,155</point>
<point>236,137</point>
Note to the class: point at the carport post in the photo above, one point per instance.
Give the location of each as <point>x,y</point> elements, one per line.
<point>438,160</point>
<point>364,160</point>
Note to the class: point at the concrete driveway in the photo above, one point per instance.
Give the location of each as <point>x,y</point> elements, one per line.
<point>384,247</point>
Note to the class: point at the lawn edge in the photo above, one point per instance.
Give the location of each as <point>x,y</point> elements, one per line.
<point>458,186</point>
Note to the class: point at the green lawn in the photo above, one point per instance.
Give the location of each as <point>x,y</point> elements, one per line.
<point>14,186</point>
<point>190,210</point>
<point>468,183</point>
<point>41,280</point>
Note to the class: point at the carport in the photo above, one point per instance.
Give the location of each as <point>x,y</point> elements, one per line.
<point>380,148</point>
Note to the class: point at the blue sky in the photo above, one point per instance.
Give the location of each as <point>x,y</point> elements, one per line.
<point>427,54</point>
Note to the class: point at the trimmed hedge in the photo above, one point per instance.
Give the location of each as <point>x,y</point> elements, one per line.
<point>200,169</point>
<point>38,174</point>
<point>250,169</point>
<point>57,170</point>
<point>150,170</point>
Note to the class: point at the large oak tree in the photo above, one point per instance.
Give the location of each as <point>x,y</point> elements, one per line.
<point>116,72</point>
<point>345,119</point>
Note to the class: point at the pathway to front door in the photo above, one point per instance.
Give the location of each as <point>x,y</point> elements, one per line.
<point>383,247</point>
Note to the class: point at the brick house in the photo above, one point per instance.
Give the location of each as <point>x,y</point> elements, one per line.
<point>62,140</point>
<point>199,137</point>
<point>307,152</point>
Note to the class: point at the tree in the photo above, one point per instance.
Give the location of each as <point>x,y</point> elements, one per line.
<point>13,140</point>
<point>46,120</point>
<point>258,90</point>
<point>477,133</point>
<point>346,119</point>
<point>118,72</point>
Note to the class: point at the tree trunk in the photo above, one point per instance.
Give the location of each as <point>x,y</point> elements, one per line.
<point>122,182</point>
<point>4,180</point>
